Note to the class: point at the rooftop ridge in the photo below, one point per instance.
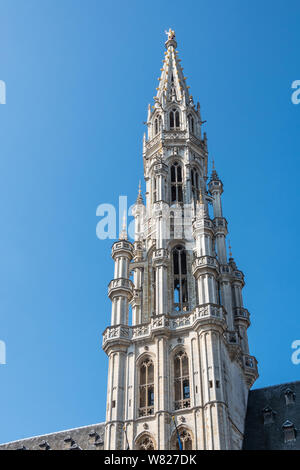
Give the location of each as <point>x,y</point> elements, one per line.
<point>276,385</point>
<point>50,434</point>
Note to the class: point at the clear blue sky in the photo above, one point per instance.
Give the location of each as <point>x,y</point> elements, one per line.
<point>79,76</point>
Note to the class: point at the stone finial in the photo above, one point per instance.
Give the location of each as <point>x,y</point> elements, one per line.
<point>123,234</point>
<point>171,41</point>
<point>214,174</point>
<point>170,34</point>
<point>140,197</point>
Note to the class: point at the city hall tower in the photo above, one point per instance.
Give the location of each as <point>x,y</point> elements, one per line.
<point>177,342</point>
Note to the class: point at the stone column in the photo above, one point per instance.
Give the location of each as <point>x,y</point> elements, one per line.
<point>163,392</point>
<point>120,288</point>
<point>215,415</point>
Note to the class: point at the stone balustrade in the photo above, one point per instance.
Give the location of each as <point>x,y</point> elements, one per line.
<point>200,223</point>
<point>160,256</point>
<point>116,332</point>
<point>232,337</point>
<point>120,286</point>
<point>220,225</point>
<point>241,313</point>
<point>225,269</point>
<point>250,362</point>
<point>208,313</point>
<point>250,368</point>
<point>122,246</point>
<point>204,262</point>
<point>238,275</point>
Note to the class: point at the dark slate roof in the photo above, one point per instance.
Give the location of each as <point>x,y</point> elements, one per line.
<point>84,438</point>
<point>273,418</point>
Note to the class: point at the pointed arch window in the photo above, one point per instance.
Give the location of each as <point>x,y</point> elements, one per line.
<point>181,381</point>
<point>174,119</point>
<point>185,439</point>
<point>145,442</point>
<point>191,124</point>
<point>157,125</point>
<point>176,183</point>
<point>195,185</point>
<point>154,189</point>
<point>173,92</point>
<point>180,290</point>
<point>146,388</point>
<point>172,224</point>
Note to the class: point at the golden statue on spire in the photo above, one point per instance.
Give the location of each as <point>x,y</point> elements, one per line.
<point>170,34</point>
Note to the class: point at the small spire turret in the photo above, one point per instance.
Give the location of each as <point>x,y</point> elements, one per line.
<point>214,174</point>
<point>139,199</point>
<point>123,233</point>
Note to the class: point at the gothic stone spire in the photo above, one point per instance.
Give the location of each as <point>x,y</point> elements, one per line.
<point>172,82</point>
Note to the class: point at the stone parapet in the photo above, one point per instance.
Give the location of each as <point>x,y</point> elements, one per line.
<point>122,248</point>
<point>202,315</point>
<point>120,286</point>
<point>203,264</point>
<point>250,369</point>
<point>242,314</point>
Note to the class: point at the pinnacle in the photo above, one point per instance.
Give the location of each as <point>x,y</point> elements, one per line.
<point>201,207</point>
<point>139,199</point>
<point>214,174</point>
<point>123,233</point>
